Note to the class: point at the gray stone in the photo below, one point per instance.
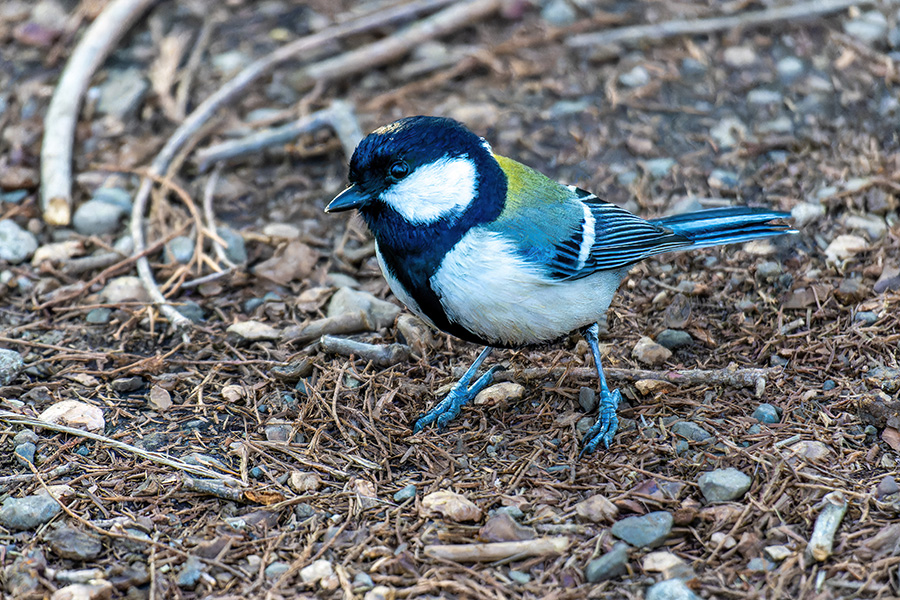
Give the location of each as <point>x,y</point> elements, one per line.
<point>647,531</point>
<point>691,431</point>
<point>659,167</point>
<point>766,413</point>
<point>636,77</point>
<point>768,270</point>
<point>190,573</point>
<point>97,217</point>
<point>26,436</point>
<point>191,310</point>
<point>692,66</point>
<point>612,564</point>
<point>559,13</point>
<point>16,244</point>
<point>723,485</point>
<point>584,424</point>
<point>24,453</point>
<point>519,577</point>
<point>380,312</point>
<point>30,512</point>
<point>180,249</point>
<point>562,108</point>
<point>674,339</point>
<point>277,569</point>
<point>122,93</point>
<point>763,96</point>
<point>362,582</point>
<point>115,196</point>
<point>722,179</point>
<point>740,57</point>
<point>123,385</point>
<point>587,399</point>
<point>236,250</point>
<point>866,317</point>
<point>405,493</point>
<point>98,316</point>
<point>279,433</point>
<point>789,69</point>
<point>228,63</point>
<point>670,589</point>
<point>13,197</point>
<point>74,544</point>
<point>626,178</point>
<point>781,124</point>
<point>870,27</point>
<point>11,364</point>
<point>728,132</point>
<point>760,565</point>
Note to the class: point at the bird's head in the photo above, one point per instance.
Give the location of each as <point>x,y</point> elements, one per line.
<point>422,172</point>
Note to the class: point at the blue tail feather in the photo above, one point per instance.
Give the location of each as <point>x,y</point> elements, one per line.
<point>719,226</point>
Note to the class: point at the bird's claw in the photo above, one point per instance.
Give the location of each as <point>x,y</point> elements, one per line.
<point>607,423</point>
<point>448,408</point>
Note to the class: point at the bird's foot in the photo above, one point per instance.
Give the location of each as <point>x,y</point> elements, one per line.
<point>447,409</point>
<point>607,423</point>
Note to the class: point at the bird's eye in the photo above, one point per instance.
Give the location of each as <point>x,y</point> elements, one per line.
<point>399,170</point>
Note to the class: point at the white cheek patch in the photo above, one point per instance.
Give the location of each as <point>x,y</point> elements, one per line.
<point>434,191</point>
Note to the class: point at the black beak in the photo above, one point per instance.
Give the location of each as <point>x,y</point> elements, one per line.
<point>350,198</point>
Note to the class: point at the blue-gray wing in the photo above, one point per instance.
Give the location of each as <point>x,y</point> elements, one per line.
<point>608,238</point>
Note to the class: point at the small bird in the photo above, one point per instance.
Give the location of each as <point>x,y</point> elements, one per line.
<point>493,252</point>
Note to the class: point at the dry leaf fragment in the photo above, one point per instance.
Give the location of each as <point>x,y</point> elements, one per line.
<point>160,398</point>
<point>597,509</point>
<point>451,505</point>
<point>75,414</point>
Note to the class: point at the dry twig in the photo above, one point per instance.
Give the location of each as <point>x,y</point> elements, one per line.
<point>657,32</point>
<point>498,550</point>
<point>59,124</point>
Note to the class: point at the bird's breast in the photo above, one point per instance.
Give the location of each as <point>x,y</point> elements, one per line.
<point>486,286</point>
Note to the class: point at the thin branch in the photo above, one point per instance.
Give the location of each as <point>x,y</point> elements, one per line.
<point>62,115</point>
<point>657,32</point>
<point>156,457</point>
<point>728,376</point>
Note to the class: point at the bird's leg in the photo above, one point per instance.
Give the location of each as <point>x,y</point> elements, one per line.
<point>607,422</point>
<point>449,407</point>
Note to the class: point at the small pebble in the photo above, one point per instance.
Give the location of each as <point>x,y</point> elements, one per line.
<point>587,399</point>
<point>28,513</point>
<point>519,577</point>
<point>279,433</point>
<point>123,92</point>
<point>276,569</point>
<point>647,531</point>
<point>636,77</point>
<point>760,565</point>
<point>362,582</point>
<point>16,244</point>
<point>405,493</point>
<point>767,413</point>
<point>24,453</point>
<point>723,485</point>
<point>887,486</point>
<point>610,565</point>
<point>74,544</point>
<point>768,270</point>
<point>98,316</point>
<point>559,13</point>
<point>659,167</point>
<point>762,96</point>
<point>721,179</point>
<point>123,385</point>
<point>235,249</point>
<point>649,352</point>
<point>192,311</point>
<point>674,339</point>
<point>180,249</point>
<point>789,69</point>
<point>190,573</point>
<point>728,132</point>
<point>97,217</point>
<point>11,364</point>
<point>316,571</point>
<point>740,57</point>
<point>691,431</point>
<point>870,27</point>
<point>670,589</point>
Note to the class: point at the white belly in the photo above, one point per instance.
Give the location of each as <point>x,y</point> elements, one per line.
<point>486,287</point>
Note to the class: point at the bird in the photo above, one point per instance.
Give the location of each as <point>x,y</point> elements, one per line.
<point>494,252</point>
